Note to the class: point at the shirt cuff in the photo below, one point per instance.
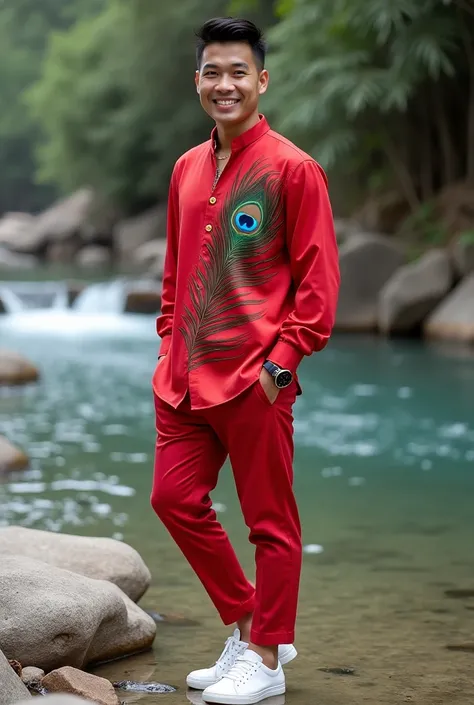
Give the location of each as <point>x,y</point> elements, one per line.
<point>286,356</point>
<point>165,344</point>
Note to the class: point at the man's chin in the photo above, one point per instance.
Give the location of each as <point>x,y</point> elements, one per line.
<point>234,117</point>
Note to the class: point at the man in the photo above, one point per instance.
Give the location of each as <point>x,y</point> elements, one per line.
<point>250,286</point>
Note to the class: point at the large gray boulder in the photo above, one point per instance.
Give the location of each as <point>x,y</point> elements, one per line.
<point>63,221</point>
<point>151,255</point>
<point>51,617</point>
<point>16,369</point>
<point>414,291</point>
<point>11,457</point>
<point>130,234</point>
<point>463,254</point>
<point>367,261</point>
<point>14,261</point>
<point>94,257</point>
<point>453,319</point>
<point>99,558</point>
<point>14,228</point>
<point>12,690</point>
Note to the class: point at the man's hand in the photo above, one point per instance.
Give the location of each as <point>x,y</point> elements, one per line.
<point>269,386</point>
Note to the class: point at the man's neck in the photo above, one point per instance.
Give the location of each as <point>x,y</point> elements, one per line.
<point>227,133</point>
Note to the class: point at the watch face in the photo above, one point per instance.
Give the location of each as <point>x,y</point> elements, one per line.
<point>283,379</point>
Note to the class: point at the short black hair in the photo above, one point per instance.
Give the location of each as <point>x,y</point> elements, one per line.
<point>231,29</point>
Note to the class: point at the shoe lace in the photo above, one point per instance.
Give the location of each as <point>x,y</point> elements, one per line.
<point>231,650</point>
<point>242,669</point>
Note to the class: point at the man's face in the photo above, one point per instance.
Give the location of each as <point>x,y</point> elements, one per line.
<point>229,83</point>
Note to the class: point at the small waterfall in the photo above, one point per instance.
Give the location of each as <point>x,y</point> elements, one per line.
<point>61,300</point>
<point>23,296</point>
<point>11,302</point>
<point>106,297</point>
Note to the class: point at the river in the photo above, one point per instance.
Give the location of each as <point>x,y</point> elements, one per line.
<point>384,477</point>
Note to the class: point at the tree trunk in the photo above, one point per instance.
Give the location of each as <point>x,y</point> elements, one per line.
<point>468,40</point>
<point>422,132</point>
<point>447,149</point>
<point>402,172</point>
<point>470,110</point>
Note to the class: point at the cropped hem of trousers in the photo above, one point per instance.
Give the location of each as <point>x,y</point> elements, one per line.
<point>257,436</point>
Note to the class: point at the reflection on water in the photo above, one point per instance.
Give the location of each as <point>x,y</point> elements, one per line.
<point>383,475</point>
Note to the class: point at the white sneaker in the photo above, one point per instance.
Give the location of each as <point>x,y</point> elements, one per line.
<point>248,681</point>
<point>205,677</point>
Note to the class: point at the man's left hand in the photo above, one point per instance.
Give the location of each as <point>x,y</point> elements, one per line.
<point>268,385</point>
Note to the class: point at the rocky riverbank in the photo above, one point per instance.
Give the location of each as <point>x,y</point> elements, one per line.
<point>80,230</point>
<point>67,602</point>
<point>383,290</point>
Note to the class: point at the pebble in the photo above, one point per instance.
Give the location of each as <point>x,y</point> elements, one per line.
<point>339,670</point>
<point>465,646</point>
<point>177,620</point>
<point>459,592</point>
<point>313,548</point>
<point>136,687</point>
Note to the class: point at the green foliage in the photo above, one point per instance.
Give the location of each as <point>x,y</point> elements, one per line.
<point>117,101</point>
<point>376,90</point>
<point>353,85</point>
<point>467,237</point>
<point>423,227</point>
<point>25,26</point>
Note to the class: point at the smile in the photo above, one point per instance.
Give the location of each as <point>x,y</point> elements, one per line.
<point>234,101</point>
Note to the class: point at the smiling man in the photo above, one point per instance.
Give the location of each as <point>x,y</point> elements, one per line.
<point>250,287</point>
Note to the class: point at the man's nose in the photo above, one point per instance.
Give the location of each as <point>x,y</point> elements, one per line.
<point>225,83</point>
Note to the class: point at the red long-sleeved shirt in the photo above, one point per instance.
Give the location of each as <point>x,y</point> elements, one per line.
<point>251,269</point>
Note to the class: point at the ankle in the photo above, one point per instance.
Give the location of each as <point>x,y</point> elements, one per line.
<point>269,654</point>
<point>244,625</point>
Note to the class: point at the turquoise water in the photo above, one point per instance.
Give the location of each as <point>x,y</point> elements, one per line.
<point>384,476</point>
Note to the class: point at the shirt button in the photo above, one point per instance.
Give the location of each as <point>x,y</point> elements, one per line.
<point>212,200</point>
<point>208,228</point>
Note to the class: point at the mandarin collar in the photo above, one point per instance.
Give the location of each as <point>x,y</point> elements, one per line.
<point>247,137</point>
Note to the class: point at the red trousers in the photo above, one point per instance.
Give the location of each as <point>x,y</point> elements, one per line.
<point>191,448</point>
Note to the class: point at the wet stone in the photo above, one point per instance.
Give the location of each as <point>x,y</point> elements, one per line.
<point>37,688</point>
<point>16,665</point>
<point>465,646</point>
<point>339,670</point>
<point>459,593</point>
<point>176,620</point>
<point>136,687</point>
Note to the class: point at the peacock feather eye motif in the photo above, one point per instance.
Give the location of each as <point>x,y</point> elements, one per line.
<point>238,258</point>
<point>247,219</point>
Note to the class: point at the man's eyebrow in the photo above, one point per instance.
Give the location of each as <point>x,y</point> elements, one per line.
<point>235,64</point>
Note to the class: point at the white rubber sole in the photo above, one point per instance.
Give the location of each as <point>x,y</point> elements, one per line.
<point>245,699</point>
<point>199,684</point>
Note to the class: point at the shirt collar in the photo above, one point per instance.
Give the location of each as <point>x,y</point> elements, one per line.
<point>247,137</point>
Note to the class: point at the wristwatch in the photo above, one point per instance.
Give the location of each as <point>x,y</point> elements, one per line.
<point>281,377</point>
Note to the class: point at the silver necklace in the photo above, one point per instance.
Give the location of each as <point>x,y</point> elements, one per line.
<point>216,179</point>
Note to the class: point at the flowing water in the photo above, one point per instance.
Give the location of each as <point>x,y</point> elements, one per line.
<point>384,476</point>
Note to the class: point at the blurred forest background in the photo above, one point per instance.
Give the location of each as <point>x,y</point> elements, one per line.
<point>381,92</point>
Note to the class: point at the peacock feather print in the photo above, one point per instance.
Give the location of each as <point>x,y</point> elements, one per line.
<point>239,258</point>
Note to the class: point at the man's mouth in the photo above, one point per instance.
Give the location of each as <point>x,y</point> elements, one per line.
<point>226,102</point>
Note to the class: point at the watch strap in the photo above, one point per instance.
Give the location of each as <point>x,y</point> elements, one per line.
<point>271,367</point>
